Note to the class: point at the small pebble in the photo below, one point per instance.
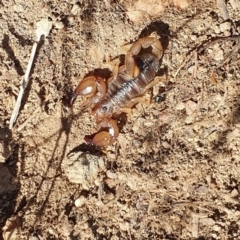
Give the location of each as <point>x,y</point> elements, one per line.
<point>75,9</point>
<point>59,25</point>
<point>18,8</point>
<point>148,124</point>
<point>234,193</point>
<point>218,56</point>
<point>180,106</point>
<point>227,33</point>
<point>191,107</point>
<point>79,202</point>
<point>137,143</point>
<point>111,175</point>
<point>166,145</point>
<point>189,119</point>
<point>164,118</point>
<point>225,26</point>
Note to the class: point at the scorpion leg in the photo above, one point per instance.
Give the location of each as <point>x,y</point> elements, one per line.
<point>146,42</point>
<point>91,86</point>
<point>116,69</point>
<point>152,83</point>
<point>103,138</point>
<point>132,103</point>
<point>143,99</point>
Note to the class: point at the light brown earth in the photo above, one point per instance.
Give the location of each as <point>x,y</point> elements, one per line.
<point>173,172</point>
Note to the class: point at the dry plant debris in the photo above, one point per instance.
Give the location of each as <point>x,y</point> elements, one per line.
<point>43,28</point>
<point>174,171</point>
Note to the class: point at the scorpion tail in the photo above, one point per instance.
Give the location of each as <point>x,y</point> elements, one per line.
<point>106,136</point>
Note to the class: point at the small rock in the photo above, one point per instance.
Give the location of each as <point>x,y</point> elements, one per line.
<point>18,8</point>
<point>75,9</point>
<point>218,55</point>
<point>234,193</point>
<point>136,143</point>
<point>80,201</point>
<point>227,33</point>
<point>207,221</point>
<point>193,37</point>
<point>180,106</point>
<point>111,175</point>
<point>166,145</point>
<point>59,25</point>
<point>124,226</point>
<point>216,29</point>
<point>71,20</point>
<point>82,167</point>
<point>217,228</point>
<point>148,123</point>
<point>225,26</point>
<point>183,4</point>
<point>164,118</point>
<point>150,7</point>
<point>189,119</point>
<point>191,107</point>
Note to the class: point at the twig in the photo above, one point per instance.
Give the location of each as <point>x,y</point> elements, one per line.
<point>219,39</point>
<point>43,29</point>
<point>201,48</point>
<point>23,87</point>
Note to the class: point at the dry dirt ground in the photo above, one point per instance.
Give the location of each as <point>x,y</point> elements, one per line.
<point>173,172</point>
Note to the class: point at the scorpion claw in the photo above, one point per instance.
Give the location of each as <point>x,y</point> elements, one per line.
<point>91,86</point>
<point>73,98</point>
<point>100,139</point>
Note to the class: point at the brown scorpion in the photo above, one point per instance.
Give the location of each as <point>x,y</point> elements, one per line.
<point>122,90</point>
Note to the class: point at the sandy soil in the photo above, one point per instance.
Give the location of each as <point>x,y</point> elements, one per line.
<point>173,172</point>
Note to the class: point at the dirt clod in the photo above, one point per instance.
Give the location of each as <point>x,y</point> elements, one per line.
<point>82,167</point>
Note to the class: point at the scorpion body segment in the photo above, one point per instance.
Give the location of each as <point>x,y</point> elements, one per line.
<point>128,83</point>
<point>123,89</point>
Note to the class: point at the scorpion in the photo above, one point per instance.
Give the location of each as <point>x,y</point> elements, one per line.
<point>122,90</point>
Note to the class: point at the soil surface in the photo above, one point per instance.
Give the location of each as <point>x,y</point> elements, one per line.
<point>173,172</point>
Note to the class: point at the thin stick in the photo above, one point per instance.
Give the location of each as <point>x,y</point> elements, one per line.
<point>43,29</point>
<point>23,87</point>
<point>231,38</point>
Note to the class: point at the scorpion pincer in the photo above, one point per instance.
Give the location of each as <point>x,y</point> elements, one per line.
<point>122,90</point>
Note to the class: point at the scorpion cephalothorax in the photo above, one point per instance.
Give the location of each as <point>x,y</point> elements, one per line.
<point>121,91</point>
